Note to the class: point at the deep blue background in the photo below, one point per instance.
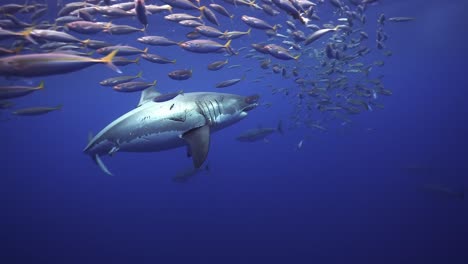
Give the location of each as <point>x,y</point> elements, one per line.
<point>348,196</point>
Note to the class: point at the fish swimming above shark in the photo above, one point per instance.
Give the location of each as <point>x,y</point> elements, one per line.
<point>186,120</point>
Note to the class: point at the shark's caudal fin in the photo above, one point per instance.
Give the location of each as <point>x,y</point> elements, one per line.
<point>148,95</point>
<point>90,136</point>
<point>96,157</point>
<point>198,140</point>
<point>101,165</point>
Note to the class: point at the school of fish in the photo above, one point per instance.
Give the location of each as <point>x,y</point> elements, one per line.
<point>324,61</point>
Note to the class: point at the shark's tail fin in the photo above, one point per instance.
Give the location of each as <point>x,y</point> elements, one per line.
<point>280,127</point>
<point>90,136</point>
<point>101,165</point>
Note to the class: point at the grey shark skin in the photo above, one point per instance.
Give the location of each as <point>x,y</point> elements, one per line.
<point>188,119</point>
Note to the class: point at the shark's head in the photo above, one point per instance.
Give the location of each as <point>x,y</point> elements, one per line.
<point>245,103</point>
<point>238,106</point>
<point>222,110</point>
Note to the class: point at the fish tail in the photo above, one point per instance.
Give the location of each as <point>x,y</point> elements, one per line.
<point>107,26</point>
<point>58,107</point>
<point>297,57</point>
<point>228,48</point>
<point>137,61</point>
<point>145,50</point>
<point>18,49</point>
<point>154,83</point>
<point>280,127</point>
<point>55,26</point>
<point>27,35</point>
<point>228,44</point>
<point>248,31</point>
<point>108,60</point>
<point>139,74</point>
<point>85,42</point>
<point>41,86</point>
<point>367,70</point>
<point>173,61</point>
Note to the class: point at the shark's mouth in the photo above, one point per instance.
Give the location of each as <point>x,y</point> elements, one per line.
<point>252,102</point>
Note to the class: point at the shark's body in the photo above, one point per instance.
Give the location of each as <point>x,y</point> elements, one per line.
<point>187,119</point>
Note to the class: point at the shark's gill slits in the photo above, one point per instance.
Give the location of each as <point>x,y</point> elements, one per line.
<point>219,106</point>
<point>214,111</point>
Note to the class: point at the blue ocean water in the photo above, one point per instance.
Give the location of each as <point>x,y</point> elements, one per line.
<point>351,194</point>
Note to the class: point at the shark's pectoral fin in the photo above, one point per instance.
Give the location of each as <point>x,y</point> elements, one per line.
<point>101,165</point>
<point>198,140</point>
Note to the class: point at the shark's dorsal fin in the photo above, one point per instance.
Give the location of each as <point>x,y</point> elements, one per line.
<point>148,95</point>
<point>198,140</point>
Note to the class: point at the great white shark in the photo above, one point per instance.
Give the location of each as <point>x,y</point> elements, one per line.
<point>186,120</point>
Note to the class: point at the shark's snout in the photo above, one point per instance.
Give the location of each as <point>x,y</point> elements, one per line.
<point>251,101</point>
